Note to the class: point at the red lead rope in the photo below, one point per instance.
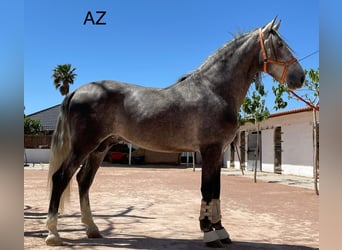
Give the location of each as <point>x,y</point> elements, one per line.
<point>306,102</point>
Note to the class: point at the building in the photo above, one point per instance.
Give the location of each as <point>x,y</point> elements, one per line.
<point>47,117</point>
<point>286,144</point>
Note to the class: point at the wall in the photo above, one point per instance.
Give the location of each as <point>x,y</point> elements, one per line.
<point>267,150</point>
<point>297,147</point>
<point>35,155</point>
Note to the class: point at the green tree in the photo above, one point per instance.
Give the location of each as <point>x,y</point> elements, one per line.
<point>254,110</point>
<point>63,75</point>
<point>32,126</point>
<point>312,85</point>
<point>310,91</point>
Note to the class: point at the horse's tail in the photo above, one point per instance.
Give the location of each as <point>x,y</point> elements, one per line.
<point>60,147</point>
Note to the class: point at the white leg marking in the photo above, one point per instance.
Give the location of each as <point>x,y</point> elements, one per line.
<point>87,219</point>
<point>53,238</point>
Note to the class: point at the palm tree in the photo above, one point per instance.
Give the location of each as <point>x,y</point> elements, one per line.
<point>62,76</point>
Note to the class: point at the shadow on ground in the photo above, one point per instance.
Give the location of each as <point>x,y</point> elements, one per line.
<point>144,242</point>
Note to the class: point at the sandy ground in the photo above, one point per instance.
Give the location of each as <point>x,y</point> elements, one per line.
<point>158,208</point>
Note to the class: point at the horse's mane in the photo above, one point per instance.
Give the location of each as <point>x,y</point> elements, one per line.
<point>183,77</point>
<point>217,55</point>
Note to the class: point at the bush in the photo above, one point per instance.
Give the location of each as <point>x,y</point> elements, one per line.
<point>32,126</point>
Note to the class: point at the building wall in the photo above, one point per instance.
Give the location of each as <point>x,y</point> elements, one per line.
<point>36,155</point>
<point>267,150</point>
<point>297,143</point>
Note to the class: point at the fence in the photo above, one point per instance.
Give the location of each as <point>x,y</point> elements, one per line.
<point>37,141</point>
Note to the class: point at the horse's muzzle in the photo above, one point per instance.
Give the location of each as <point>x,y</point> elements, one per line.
<point>295,78</point>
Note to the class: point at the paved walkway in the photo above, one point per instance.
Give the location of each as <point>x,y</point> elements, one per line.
<point>290,180</point>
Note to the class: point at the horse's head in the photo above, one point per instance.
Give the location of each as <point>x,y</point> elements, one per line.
<point>276,57</point>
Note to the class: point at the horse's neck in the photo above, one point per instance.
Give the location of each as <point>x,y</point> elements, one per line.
<point>232,68</point>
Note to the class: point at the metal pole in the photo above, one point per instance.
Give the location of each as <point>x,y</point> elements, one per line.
<point>130,154</point>
<point>193,160</point>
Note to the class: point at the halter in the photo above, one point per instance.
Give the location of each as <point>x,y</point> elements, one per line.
<point>268,60</point>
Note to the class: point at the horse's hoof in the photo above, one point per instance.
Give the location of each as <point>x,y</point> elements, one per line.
<point>214,244</point>
<point>211,239</point>
<point>226,241</point>
<point>53,240</point>
<point>94,234</point>
<point>223,236</point>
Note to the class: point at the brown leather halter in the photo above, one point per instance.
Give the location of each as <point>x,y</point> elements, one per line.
<point>268,60</point>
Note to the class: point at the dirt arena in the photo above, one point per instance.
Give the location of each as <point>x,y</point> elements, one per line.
<point>158,208</point>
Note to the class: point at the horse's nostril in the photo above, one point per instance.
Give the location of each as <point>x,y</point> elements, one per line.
<point>302,79</point>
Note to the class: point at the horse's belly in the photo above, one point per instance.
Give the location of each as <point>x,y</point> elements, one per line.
<point>163,141</point>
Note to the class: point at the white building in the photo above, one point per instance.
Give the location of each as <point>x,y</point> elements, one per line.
<point>286,144</point>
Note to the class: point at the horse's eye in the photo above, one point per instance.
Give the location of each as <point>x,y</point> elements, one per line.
<point>280,44</point>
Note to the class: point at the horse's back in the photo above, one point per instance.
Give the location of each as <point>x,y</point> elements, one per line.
<point>172,119</point>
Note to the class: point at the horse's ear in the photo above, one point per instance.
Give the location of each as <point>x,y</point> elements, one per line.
<point>268,27</point>
<point>276,26</point>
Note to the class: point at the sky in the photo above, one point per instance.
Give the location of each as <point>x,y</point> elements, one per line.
<point>149,42</point>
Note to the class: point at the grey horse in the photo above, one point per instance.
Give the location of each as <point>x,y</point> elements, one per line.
<point>197,113</point>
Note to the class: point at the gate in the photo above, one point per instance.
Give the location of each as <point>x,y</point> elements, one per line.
<point>243,150</point>
<point>277,150</point>
<point>251,152</point>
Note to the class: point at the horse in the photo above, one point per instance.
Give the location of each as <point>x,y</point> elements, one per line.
<point>198,113</point>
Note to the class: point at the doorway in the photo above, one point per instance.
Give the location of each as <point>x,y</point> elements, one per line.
<point>251,152</point>
<point>277,150</point>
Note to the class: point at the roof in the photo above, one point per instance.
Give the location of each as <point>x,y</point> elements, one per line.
<point>47,117</point>
<point>292,111</point>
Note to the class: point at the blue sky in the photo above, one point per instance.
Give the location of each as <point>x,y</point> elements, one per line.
<point>149,42</point>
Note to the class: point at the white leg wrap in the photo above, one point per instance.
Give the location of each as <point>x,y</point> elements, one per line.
<point>211,210</point>
<point>222,234</point>
<point>210,236</point>
<point>53,238</point>
<point>216,211</point>
<point>206,210</point>
<point>51,224</point>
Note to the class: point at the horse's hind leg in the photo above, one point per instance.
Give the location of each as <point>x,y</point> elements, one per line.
<point>85,178</point>
<point>210,214</point>
<point>60,181</point>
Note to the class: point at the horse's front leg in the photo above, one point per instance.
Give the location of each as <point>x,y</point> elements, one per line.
<point>210,213</point>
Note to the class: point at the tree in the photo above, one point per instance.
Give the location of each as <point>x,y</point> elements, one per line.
<point>63,75</point>
<point>310,91</point>
<point>32,126</point>
<point>253,109</point>
<point>312,86</point>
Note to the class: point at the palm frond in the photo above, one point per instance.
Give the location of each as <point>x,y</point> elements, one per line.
<point>63,75</point>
